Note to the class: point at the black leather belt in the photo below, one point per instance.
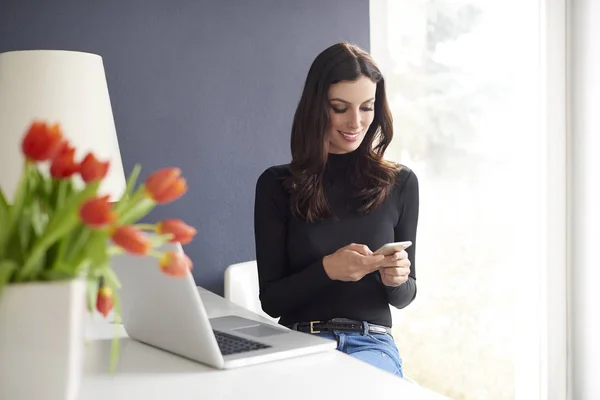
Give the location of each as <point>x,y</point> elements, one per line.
<point>338,324</point>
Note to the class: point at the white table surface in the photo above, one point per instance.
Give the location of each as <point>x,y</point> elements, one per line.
<point>145,372</point>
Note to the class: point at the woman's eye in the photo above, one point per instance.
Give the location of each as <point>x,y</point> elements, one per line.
<point>343,110</point>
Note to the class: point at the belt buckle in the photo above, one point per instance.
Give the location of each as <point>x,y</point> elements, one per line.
<point>377,329</point>
<point>312,327</point>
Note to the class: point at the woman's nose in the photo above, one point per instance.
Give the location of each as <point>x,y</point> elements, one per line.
<point>354,120</point>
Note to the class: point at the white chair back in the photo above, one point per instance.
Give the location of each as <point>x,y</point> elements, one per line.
<point>241,287</point>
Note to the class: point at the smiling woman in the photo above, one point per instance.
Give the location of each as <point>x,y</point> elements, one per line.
<point>318,218</point>
<point>350,114</point>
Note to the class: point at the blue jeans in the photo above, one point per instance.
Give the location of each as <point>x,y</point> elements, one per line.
<point>377,349</point>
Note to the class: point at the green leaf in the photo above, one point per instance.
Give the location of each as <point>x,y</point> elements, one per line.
<point>7,267</point>
<point>52,254</point>
<point>131,181</point>
<point>139,209</point>
<point>116,250</point>
<point>3,201</point>
<point>92,291</point>
<point>25,230</point>
<point>62,222</point>
<point>70,209</point>
<point>65,268</point>
<point>21,195</point>
<point>159,240</point>
<point>79,239</point>
<point>62,191</point>
<point>46,185</point>
<point>67,245</point>
<point>115,345</point>
<point>31,222</point>
<point>4,208</point>
<point>38,218</point>
<point>14,251</point>
<point>14,212</point>
<point>95,251</point>
<point>111,279</point>
<point>53,196</point>
<point>60,274</point>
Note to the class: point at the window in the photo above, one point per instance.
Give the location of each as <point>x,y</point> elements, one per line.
<point>467,82</point>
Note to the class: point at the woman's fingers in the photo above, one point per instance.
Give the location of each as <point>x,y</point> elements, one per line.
<point>400,255</point>
<point>361,262</point>
<point>394,276</point>
<point>359,248</point>
<point>399,259</point>
<point>373,262</point>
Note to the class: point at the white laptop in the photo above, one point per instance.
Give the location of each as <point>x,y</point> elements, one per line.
<point>168,313</point>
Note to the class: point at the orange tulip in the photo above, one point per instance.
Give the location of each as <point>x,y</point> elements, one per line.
<point>97,212</point>
<point>181,232</point>
<point>63,164</point>
<point>175,264</point>
<point>104,300</point>
<point>41,142</point>
<point>166,185</point>
<point>91,169</point>
<point>132,240</point>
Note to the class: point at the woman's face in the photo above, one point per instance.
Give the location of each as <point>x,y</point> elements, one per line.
<point>351,112</point>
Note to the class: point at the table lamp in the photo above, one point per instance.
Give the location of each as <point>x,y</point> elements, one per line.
<point>57,86</point>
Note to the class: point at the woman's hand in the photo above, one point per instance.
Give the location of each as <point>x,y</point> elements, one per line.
<point>351,263</point>
<point>396,269</point>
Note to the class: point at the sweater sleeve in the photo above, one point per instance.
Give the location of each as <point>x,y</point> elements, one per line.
<point>406,229</point>
<point>280,292</point>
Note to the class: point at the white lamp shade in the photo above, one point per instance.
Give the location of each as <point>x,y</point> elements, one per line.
<point>56,86</point>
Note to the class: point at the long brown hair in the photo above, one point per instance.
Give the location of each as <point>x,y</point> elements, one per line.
<point>373,177</point>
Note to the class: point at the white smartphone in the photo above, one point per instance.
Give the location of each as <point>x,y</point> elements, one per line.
<point>391,248</point>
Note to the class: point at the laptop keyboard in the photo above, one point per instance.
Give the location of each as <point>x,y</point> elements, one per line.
<point>230,344</point>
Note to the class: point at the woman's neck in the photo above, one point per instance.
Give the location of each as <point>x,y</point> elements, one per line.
<point>340,163</point>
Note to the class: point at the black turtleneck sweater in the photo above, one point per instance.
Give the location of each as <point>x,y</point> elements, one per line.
<point>289,251</point>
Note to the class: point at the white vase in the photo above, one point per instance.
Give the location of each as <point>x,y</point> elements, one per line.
<point>41,340</point>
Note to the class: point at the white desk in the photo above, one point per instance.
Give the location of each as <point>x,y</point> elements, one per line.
<point>148,373</point>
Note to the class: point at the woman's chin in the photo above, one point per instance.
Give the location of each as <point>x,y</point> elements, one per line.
<point>341,147</point>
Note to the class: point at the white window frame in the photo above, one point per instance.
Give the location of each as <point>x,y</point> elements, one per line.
<point>554,343</point>
<point>548,366</point>
<point>584,196</point>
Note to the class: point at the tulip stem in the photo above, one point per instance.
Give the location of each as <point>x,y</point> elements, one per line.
<point>156,253</point>
<point>146,227</point>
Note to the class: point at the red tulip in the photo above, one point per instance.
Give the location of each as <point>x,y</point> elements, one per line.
<point>63,164</point>
<point>175,264</point>
<point>97,212</point>
<point>104,300</point>
<point>91,169</point>
<point>166,185</point>
<point>132,240</point>
<point>41,142</point>
<point>180,231</point>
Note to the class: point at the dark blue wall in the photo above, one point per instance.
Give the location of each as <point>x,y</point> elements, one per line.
<point>209,86</point>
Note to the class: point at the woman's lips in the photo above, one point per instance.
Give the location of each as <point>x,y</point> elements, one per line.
<point>349,136</point>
